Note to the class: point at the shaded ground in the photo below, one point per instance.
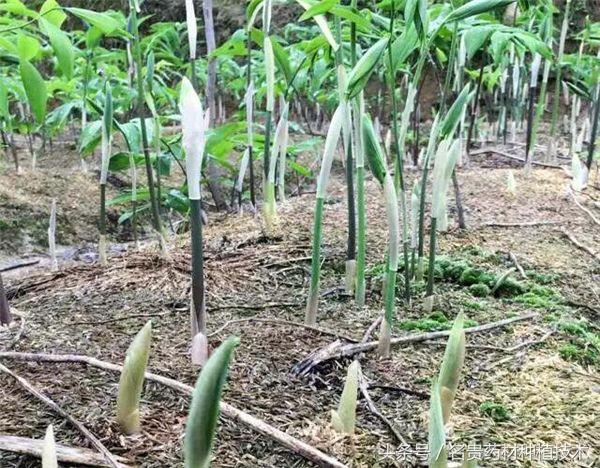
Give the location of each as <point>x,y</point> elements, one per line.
<point>537,395</point>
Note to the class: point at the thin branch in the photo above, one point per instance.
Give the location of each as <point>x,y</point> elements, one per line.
<point>295,445</point>
<point>268,305</point>
<point>337,349</point>
<point>521,224</point>
<point>522,346</point>
<point>362,382</point>
<point>371,329</point>
<point>513,257</point>
<point>117,319</point>
<point>50,403</point>
<point>579,245</point>
<point>588,212</point>
<point>510,156</point>
<point>16,266</point>
<point>64,453</point>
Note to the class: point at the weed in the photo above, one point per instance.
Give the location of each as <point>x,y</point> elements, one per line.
<point>496,411</point>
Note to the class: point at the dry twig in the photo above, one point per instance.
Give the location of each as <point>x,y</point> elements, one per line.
<point>110,458</point>
<point>64,453</point>
<point>579,245</point>
<point>337,349</point>
<point>295,445</point>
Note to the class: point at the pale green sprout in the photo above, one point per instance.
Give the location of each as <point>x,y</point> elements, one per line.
<point>377,164</point>
<point>511,183</point>
<point>270,73</point>
<point>331,142</point>
<point>204,410</point>
<point>279,146</point>
<point>49,459</point>
<point>443,392</point>
<point>132,381</point>
<point>579,172</point>
<point>194,124</point>
<point>344,418</point>
<point>192,27</point>
<point>107,122</point>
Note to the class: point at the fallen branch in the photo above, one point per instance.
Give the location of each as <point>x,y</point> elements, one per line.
<point>323,331</point>
<point>579,245</point>
<point>295,445</point>
<point>371,329</point>
<point>510,156</point>
<point>64,453</point>
<point>337,349</point>
<point>16,266</point>
<point>585,210</point>
<point>513,257</point>
<point>522,224</point>
<point>117,319</point>
<point>362,382</point>
<point>109,457</point>
<point>521,346</point>
<point>268,305</point>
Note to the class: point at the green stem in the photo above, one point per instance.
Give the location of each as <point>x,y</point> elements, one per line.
<point>156,221</point>
<point>430,272</point>
<point>197,266</point>
<point>315,270</point>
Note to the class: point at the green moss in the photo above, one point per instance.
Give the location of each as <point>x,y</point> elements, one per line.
<point>542,278</point>
<point>475,275</point>
<point>474,305</point>
<point>573,328</point>
<point>496,411</point>
<point>541,297</point>
<point>480,290</point>
<point>583,346</point>
<point>433,322</point>
<point>510,287</point>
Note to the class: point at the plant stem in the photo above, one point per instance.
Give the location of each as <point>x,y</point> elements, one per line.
<point>475,107</point>
<point>156,221</point>
<point>250,146</point>
<point>310,317</point>
<point>430,272</point>
<point>197,267</point>
<point>594,130</point>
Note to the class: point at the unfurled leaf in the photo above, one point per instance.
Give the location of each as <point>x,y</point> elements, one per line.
<point>107,125</point>
<point>204,410</point>
<point>344,419</point>
<point>331,141</point>
<point>359,75</point>
<point>62,47</point>
<point>28,47</point>
<point>372,149</point>
<point>51,11</point>
<point>322,23</point>
<point>474,8</point>
<point>455,113</point>
<point>270,73</point>
<point>35,89</point>
<point>103,21</point>
<point>132,381</point>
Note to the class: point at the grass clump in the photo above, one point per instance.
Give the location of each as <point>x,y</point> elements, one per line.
<point>540,297</point>
<point>480,290</point>
<point>473,305</point>
<point>474,275</point>
<point>583,346</point>
<point>435,321</point>
<point>496,411</point>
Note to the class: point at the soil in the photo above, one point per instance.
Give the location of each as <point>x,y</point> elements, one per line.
<point>541,398</point>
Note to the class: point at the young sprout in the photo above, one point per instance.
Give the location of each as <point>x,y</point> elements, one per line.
<point>194,124</point>
<point>132,381</point>
<point>378,167</point>
<point>344,418</point>
<point>5,315</point>
<point>49,459</point>
<point>445,160</point>
<point>279,145</point>
<point>331,141</point>
<point>107,122</point>
<point>511,183</point>
<point>204,410</point>
<point>443,392</point>
<point>52,236</point>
